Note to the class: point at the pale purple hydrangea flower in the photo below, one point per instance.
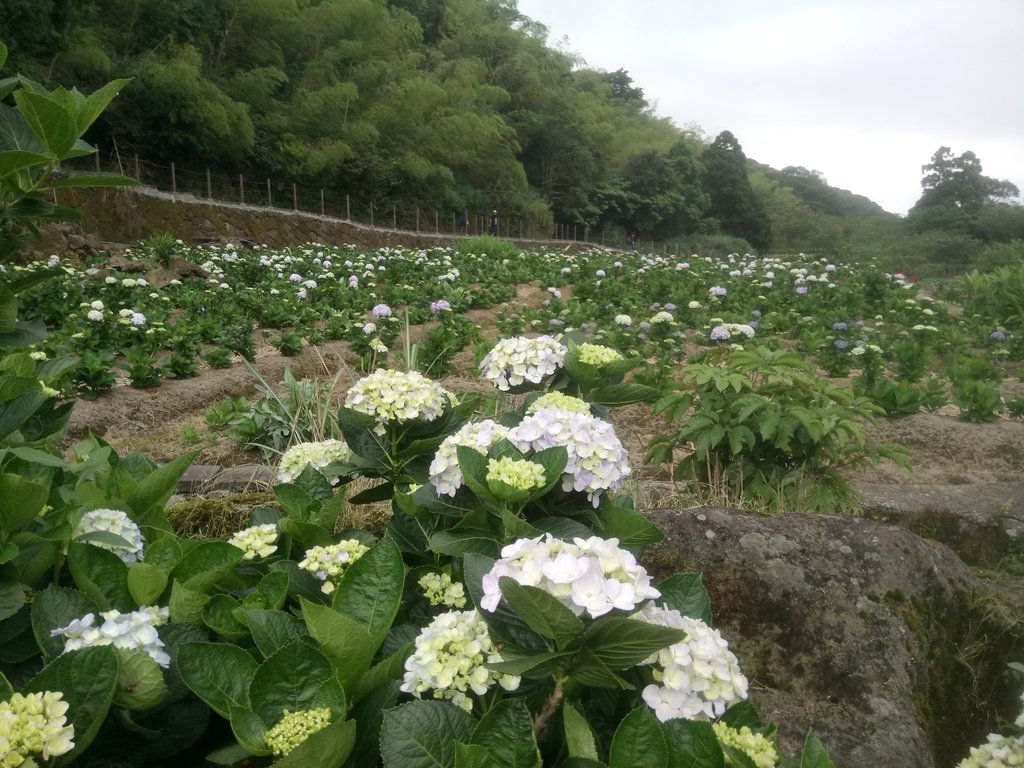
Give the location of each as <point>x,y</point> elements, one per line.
<point>441,305</point>
<point>717,290</point>
<point>381,310</point>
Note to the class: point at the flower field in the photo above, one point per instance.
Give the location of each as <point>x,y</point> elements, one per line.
<point>503,616</point>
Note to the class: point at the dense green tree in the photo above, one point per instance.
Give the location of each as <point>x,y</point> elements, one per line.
<point>958,182</point>
<point>733,203</point>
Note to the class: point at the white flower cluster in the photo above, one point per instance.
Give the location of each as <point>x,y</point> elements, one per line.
<point>598,354</point>
<point>598,461</point>
<point>449,657</point>
<point>439,589</point>
<point>623,320</point>
<point>445,474</point>
<point>257,541</point>
<point>390,395</point>
<point>34,724</point>
<point>329,563</point>
<point>520,359</point>
<point>591,576</point>
<point>118,523</point>
<point>759,749</point>
<point>121,630</point>
<point>316,455</point>
<point>559,400</point>
<point>997,752</point>
<point>700,677</point>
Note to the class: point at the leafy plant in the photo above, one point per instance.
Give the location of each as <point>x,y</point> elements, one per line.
<point>769,430</point>
<point>896,398</point>
<point>219,357</point>
<point>140,363</point>
<point>979,401</point>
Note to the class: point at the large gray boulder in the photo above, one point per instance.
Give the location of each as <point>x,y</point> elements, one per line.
<point>885,644</point>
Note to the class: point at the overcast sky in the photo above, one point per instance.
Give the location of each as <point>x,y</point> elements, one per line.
<point>864,91</point>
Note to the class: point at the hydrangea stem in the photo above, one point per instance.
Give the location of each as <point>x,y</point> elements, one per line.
<point>550,707</point>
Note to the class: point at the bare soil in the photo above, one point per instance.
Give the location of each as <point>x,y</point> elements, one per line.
<point>957,468</point>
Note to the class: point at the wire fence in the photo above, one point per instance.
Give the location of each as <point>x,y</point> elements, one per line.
<point>284,195</point>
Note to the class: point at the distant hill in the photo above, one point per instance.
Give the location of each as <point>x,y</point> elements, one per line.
<point>812,189</point>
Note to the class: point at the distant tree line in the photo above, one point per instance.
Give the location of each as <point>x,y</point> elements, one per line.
<point>451,105</point>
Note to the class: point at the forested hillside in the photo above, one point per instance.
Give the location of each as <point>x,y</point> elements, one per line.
<point>442,104</point>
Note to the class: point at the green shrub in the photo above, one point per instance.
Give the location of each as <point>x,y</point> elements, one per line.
<point>768,431</point>
<point>490,247</point>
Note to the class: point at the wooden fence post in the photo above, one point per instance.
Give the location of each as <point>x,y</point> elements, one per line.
<point>394,217</point>
<point>321,201</point>
<point>348,209</point>
<point>295,197</point>
<point>174,183</point>
<point>138,176</point>
<point>371,213</point>
<point>209,186</point>
<point>241,189</point>
<point>270,202</point>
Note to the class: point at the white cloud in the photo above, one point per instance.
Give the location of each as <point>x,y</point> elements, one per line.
<point>863,90</point>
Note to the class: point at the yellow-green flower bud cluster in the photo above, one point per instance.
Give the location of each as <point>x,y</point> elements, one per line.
<point>34,724</point>
<point>257,541</point>
<point>329,563</point>
<point>759,749</point>
<point>439,589</point>
<point>560,400</point>
<point>997,752</point>
<point>316,455</point>
<point>598,354</point>
<point>448,660</point>
<point>520,474</point>
<point>295,727</point>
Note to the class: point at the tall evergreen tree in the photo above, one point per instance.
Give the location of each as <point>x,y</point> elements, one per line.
<point>733,203</point>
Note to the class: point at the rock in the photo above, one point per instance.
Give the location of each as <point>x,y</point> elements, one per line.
<point>878,640</point>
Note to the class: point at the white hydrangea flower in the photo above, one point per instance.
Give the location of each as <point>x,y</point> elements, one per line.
<point>118,523</point>
<point>329,563</point>
<point>589,576</point>
<point>121,630</point>
<point>94,315</point>
<point>439,589</point>
<point>448,660</point>
<point>34,724</point>
<point>390,396</point>
<point>699,676</point>
<point>257,541</point>
<point>623,320</point>
<point>597,462</point>
<point>662,317</point>
<point>445,474</point>
<point>316,455</point>
<point>598,354</point>
<point>520,359</point>
<point>559,400</point>
<point>997,752</point>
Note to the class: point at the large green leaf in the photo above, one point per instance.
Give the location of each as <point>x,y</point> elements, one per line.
<point>814,754</point>
<point>507,733</point>
<point>692,744</point>
<point>150,495</point>
<point>101,575</point>
<point>542,612</point>
<point>370,591</point>
<point>249,729</point>
<point>12,597</point>
<point>621,643</point>
<point>368,712</point>
<point>288,680</point>
<point>474,756</point>
<point>48,119</point>
<point>140,681</point>
<point>186,604</point>
<point>327,748</point>
<point>346,644</point>
<point>423,734</point>
<point>56,607</point>
<point>382,673</point>
<point>20,501</point>
<point>219,615</point>
<point>624,394</point>
<point>272,630</point>
<point>206,564</point>
<point>146,582</point>
<point>685,593</point>
<point>17,134</point>
<point>639,742</point>
<point>96,102</point>
<point>15,160</point>
<point>87,679</point>
<point>579,736</point>
<point>217,673</point>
